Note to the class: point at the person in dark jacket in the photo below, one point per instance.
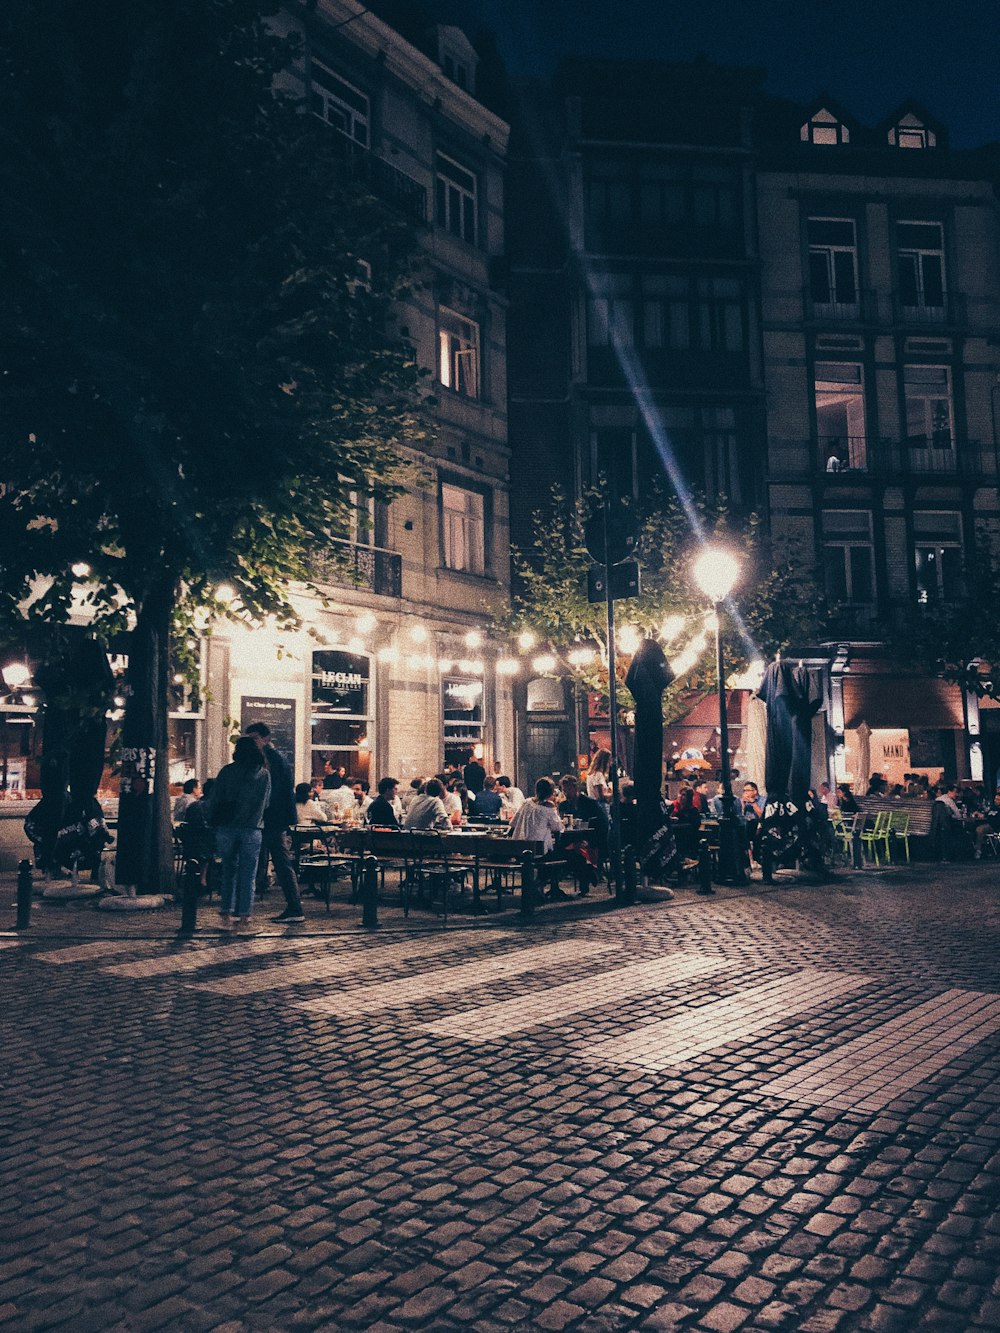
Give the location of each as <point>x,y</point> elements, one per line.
<point>279,816</point>
<point>382,813</point>
<point>474,775</point>
<point>236,811</point>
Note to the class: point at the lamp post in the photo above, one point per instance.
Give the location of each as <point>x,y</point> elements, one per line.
<point>715,572</point>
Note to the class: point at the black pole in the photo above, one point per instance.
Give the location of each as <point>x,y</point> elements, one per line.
<point>190,889</point>
<point>369,892</point>
<point>730,853</point>
<point>527,884</point>
<point>616,826</point>
<point>23,895</point>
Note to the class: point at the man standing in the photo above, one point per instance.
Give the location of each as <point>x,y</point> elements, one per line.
<point>474,775</point>
<point>279,815</point>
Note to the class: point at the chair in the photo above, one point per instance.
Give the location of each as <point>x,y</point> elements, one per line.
<point>316,860</point>
<point>844,831</point>
<point>429,870</point>
<point>877,835</point>
<point>899,827</point>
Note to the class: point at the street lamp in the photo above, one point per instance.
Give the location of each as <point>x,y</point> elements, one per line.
<point>715,572</point>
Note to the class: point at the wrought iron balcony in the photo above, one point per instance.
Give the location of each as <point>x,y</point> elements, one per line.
<point>862,309</point>
<point>383,179</point>
<point>349,564</point>
<point>918,311</point>
<point>839,458</point>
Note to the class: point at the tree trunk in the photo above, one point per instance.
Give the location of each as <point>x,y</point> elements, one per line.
<point>145,851</point>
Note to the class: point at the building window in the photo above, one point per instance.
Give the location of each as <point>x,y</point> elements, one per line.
<point>937,541</point>
<point>928,407</point>
<point>340,105</point>
<point>458,353</point>
<point>848,563</point>
<point>833,266</point>
<point>662,199</point>
<point>456,196</point>
<point>666,312</point>
<point>611,311</point>
<point>840,416</point>
<point>719,314</point>
<point>341,723</point>
<point>823,127</point>
<point>714,205</point>
<point>911,132</point>
<point>920,258</point>
<point>463,529</point>
<point>456,71</point>
<point>462,702</point>
<point>608,199</point>
<point>611,460</point>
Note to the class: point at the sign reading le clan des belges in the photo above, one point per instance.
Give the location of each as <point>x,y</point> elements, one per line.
<point>279,715</point>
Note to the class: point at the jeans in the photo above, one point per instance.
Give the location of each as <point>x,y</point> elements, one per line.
<point>238,850</point>
<point>277,844</point>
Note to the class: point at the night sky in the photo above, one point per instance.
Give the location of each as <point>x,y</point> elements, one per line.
<point>869,54</point>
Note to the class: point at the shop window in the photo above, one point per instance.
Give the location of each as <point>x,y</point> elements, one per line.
<point>455,191</point>
<point>462,703</point>
<point>848,557</point>
<point>339,104</point>
<point>341,718</point>
<point>458,353</point>
<point>463,529</point>
<point>937,540</point>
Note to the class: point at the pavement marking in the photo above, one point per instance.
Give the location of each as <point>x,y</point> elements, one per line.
<point>490,1021</point>
<point>662,1045</point>
<point>10,944</point>
<point>322,967</point>
<point>426,985</point>
<point>872,1070</point>
<point>190,960</point>
<point>79,953</point>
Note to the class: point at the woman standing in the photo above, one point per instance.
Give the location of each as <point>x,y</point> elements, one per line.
<point>599,777</point>
<point>236,811</point>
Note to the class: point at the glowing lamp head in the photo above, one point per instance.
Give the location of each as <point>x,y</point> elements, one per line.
<point>715,572</point>
<point>672,628</point>
<point>225,593</point>
<point>526,640</point>
<point>15,675</point>
<point>544,664</point>
<point>473,639</point>
<point>629,639</point>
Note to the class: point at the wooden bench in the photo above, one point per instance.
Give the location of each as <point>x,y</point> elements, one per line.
<point>921,815</point>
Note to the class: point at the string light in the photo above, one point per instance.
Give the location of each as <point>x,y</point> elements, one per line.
<point>225,593</point>
<point>418,633</point>
<point>80,569</point>
<point>507,666</point>
<point>473,639</point>
<point>544,664</point>
<point>672,628</point>
<point>629,639</point>
<point>366,622</point>
<point>388,654</point>
<point>526,640</point>
<point>580,656</point>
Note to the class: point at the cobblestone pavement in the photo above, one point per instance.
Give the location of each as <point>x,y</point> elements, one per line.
<point>774,1110</point>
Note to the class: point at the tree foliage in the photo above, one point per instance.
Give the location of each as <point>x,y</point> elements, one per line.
<point>198,382</point>
<point>775,603</point>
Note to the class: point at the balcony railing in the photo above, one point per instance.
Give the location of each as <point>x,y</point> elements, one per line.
<point>924,313</point>
<point>863,309</point>
<point>350,564</point>
<point>859,456</point>
<point>383,179</point>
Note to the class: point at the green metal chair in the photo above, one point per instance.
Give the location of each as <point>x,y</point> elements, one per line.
<point>843,834</point>
<point>878,834</point>
<point>899,828</point>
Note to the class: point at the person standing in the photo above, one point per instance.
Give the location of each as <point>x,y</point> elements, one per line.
<point>236,811</point>
<point>279,816</point>
<point>474,775</point>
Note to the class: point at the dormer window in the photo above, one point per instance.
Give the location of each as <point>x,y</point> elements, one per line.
<point>456,56</point>
<point>911,132</point>
<point>824,127</point>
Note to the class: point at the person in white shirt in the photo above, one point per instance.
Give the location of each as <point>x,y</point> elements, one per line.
<point>599,776</point>
<point>512,797</point>
<point>452,802</point>
<point>307,809</point>
<point>190,794</point>
<point>338,798</point>
<point>538,819</point>
<point>427,811</point>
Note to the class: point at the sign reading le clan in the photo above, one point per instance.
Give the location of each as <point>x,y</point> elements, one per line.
<point>279,715</point>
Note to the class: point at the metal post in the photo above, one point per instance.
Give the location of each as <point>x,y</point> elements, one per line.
<point>631,876</point>
<point>23,895</point>
<point>704,867</point>
<point>190,889</point>
<point>527,884</point>
<point>616,825</point>
<point>369,892</point>
<point>731,869</point>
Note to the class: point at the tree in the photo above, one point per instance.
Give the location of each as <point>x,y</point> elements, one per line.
<point>776,602</point>
<point>199,377</point>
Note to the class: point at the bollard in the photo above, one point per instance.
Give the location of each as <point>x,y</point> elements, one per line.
<point>527,884</point>
<point>190,889</point>
<point>704,868</point>
<point>369,892</point>
<point>23,895</point>
<point>631,878</point>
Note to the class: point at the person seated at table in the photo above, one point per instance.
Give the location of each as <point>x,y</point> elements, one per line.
<point>381,813</point>
<point>587,853</point>
<point>427,811</point>
<point>947,821</point>
<point>686,819</point>
<point>488,803</point>
<point>337,797</point>
<point>308,810</point>
<point>538,821</point>
<point>847,800</point>
<point>362,794</point>
<point>411,793</point>
<point>188,796</point>
<point>512,797</point>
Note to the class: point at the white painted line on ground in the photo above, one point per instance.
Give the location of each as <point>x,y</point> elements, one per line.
<point>187,959</point>
<point>739,1017</point>
<point>871,1071</point>
<point>406,991</point>
<point>490,1021</point>
<point>323,966</point>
